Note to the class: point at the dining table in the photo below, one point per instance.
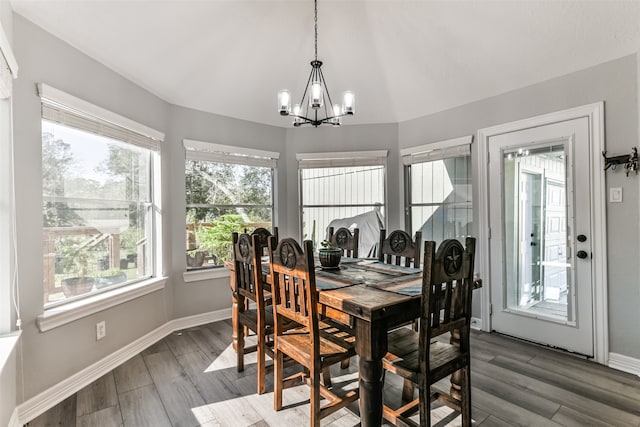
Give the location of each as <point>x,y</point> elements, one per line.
<point>375,297</point>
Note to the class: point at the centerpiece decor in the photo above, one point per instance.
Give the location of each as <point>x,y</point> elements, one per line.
<point>329,255</point>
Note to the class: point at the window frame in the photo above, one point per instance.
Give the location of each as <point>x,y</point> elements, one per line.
<point>202,151</point>
<point>440,150</point>
<point>336,160</point>
<point>58,312</point>
<point>9,307</point>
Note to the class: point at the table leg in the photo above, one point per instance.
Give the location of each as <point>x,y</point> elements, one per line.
<point>371,346</point>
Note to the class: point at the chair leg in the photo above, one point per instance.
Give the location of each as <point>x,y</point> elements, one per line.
<point>278,367</point>
<point>326,377</point>
<point>345,364</point>
<point>465,404</point>
<point>407,391</point>
<point>315,397</point>
<point>240,348</point>
<point>425,407</point>
<point>262,368</point>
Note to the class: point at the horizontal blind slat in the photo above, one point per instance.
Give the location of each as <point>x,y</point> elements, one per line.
<point>58,114</point>
<point>438,154</point>
<point>340,163</point>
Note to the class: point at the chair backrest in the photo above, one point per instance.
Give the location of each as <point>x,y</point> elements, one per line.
<point>294,285</point>
<point>345,240</point>
<point>447,286</point>
<point>399,247</point>
<point>263,237</point>
<point>248,267</point>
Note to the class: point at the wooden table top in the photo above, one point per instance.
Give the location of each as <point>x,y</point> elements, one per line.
<point>369,289</point>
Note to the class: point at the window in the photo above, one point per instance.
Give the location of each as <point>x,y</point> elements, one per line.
<point>8,283</point>
<point>227,189</point>
<point>98,201</point>
<point>438,190</point>
<point>343,190</point>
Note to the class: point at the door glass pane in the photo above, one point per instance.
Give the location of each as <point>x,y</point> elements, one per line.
<point>537,263</point>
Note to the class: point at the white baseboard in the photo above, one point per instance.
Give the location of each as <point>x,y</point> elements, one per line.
<point>13,421</point>
<point>624,363</point>
<point>476,323</point>
<point>46,400</point>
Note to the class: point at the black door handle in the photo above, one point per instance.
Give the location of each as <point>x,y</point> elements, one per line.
<point>581,254</point>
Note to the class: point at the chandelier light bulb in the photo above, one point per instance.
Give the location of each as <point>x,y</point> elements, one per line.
<point>316,100</point>
<point>297,110</point>
<point>284,102</point>
<point>336,114</point>
<point>349,100</point>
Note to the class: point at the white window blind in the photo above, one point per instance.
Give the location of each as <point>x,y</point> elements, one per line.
<point>342,159</point>
<point>68,110</point>
<point>457,147</point>
<point>200,150</point>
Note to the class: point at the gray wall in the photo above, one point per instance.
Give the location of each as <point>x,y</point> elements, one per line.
<point>55,355</point>
<point>614,82</point>
<point>208,295</point>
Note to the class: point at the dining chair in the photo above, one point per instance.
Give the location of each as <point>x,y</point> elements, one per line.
<point>348,242</point>
<point>399,247</point>
<point>317,343</point>
<point>263,237</point>
<point>345,240</point>
<point>249,286</point>
<point>447,286</point>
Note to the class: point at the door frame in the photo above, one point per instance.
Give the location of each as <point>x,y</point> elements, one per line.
<point>595,114</point>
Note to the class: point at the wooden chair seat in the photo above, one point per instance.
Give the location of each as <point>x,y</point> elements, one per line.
<point>403,357</point>
<point>250,319</point>
<point>336,343</point>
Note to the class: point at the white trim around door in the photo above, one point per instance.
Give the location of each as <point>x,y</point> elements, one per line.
<point>595,114</point>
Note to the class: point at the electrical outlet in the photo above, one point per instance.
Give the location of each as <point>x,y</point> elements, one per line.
<point>101,330</point>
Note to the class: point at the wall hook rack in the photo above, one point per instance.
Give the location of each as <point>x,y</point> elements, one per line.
<point>630,161</point>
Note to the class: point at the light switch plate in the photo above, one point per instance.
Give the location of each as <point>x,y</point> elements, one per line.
<point>615,195</point>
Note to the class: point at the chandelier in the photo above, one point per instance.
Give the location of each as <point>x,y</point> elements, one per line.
<point>315,107</point>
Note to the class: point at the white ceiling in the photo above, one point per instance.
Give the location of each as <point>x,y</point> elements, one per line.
<point>403,59</point>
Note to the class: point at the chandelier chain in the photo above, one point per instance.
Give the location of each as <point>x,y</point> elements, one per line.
<point>315,24</point>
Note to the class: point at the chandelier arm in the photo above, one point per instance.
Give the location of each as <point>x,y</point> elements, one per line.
<point>306,88</point>
<point>326,88</point>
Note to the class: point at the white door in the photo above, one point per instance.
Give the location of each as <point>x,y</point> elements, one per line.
<point>541,234</point>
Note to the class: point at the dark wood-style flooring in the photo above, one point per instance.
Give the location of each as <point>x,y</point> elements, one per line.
<point>189,379</point>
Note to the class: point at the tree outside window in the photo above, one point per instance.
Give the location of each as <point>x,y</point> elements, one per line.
<point>96,212</point>
<point>222,198</point>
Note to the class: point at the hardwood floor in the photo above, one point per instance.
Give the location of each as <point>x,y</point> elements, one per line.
<point>189,379</point>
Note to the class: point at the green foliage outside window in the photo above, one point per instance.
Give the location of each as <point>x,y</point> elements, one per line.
<point>223,198</point>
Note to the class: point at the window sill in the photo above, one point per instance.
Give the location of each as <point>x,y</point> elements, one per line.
<point>206,274</point>
<point>58,316</point>
<point>7,343</point>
